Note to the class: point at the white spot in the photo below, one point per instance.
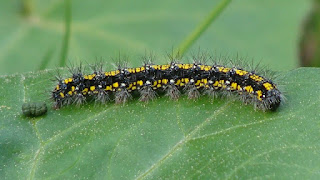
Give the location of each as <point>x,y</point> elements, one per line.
<point>148,82</point>
<point>192,80</point>
<point>227,82</point>
<point>123,84</point>
<point>171,81</point>
<point>147,68</point>
<point>100,86</point>
<point>77,88</point>
<point>210,82</point>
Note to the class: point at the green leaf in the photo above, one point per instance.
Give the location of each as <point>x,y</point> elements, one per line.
<point>161,139</point>
<point>267,30</point>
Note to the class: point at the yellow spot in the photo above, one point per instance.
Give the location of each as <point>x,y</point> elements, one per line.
<point>85,91</point>
<point>138,70</point>
<point>134,83</point>
<point>90,77</point>
<point>216,84</point>
<point>205,81</point>
<point>70,79</point>
<point>223,69</point>
<point>61,95</point>
<point>130,86</point>
<point>164,81</point>
<point>249,89</point>
<point>202,67</point>
<point>186,80</point>
<point>241,72</point>
<point>187,66</point>
<point>164,67</point>
<point>238,87</point>
<point>66,81</point>
<point>73,88</point>
<point>140,83</point>
<point>234,86</point>
<point>134,87</point>
<point>207,68</point>
<point>92,88</point>
<point>113,73</point>
<point>86,77</point>
<point>259,95</point>
<point>198,82</point>
<point>256,78</point>
<point>226,70</point>
<point>108,88</point>
<point>181,84</point>
<point>178,82</point>
<point>180,65</point>
<point>116,84</point>
<point>143,68</point>
<point>159,81</point>
<point>57,87</point>
<point>157,67</point>
<point>155,83</point>
<point>159,85</point>
<point>70,92</point>
<point>221,84</point>
<point>268,86</point>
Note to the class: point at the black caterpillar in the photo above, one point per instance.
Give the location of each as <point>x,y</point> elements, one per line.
<point>172,78</point>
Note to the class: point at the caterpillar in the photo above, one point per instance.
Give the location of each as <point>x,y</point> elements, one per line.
<point>34,109</point>
<point>173,79</point>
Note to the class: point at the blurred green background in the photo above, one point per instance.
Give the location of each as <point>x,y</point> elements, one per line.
<point>32,31</point>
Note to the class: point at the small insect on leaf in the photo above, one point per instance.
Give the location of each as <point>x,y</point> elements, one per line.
<point>34,109</point>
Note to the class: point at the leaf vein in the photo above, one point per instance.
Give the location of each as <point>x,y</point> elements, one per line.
<point>181,143</point>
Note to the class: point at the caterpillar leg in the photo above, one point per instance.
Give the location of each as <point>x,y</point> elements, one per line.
<point>147,93</point>
<point>122,96</point>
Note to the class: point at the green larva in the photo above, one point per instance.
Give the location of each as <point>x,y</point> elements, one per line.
<point>34,109</point>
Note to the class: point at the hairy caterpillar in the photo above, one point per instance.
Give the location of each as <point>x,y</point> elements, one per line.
<point>173,78</point>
